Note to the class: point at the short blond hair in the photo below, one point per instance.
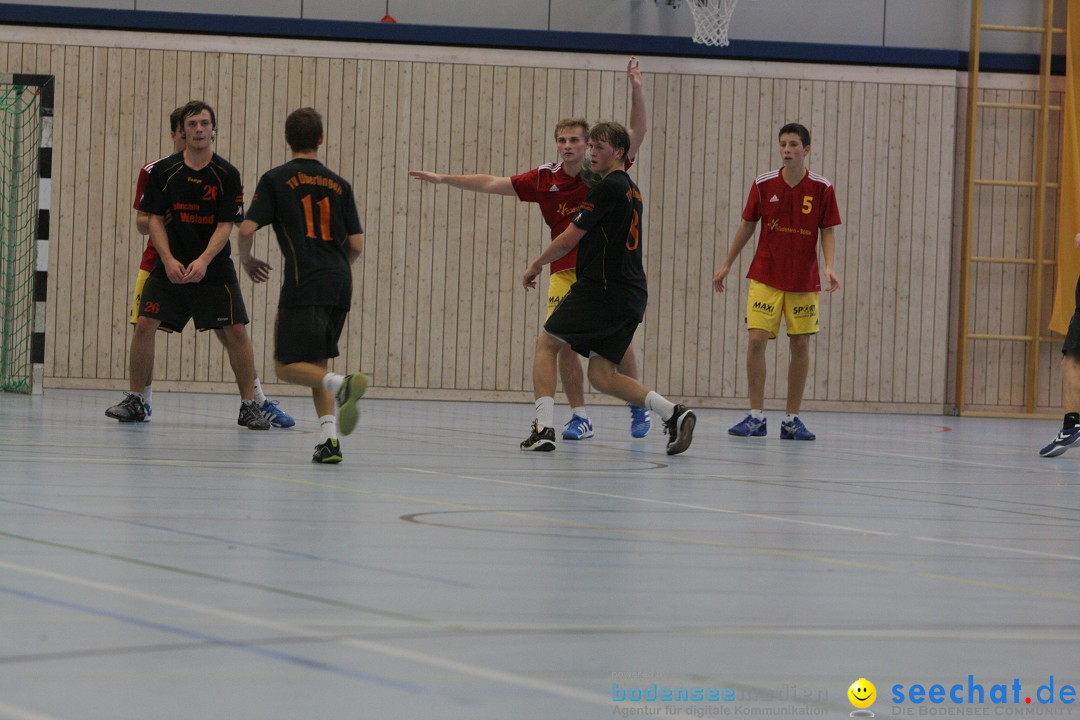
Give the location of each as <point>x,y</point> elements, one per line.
<point>572,122</point>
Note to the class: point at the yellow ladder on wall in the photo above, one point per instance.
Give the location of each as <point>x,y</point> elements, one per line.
<point>1037,261</point>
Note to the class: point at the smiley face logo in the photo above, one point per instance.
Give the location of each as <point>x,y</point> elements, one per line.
<point>862,693</point>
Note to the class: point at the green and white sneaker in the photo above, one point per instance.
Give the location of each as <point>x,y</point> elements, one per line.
<point>353,389</point>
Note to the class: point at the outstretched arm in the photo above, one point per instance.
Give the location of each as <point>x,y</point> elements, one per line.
<point>638,112</point>
<point>476,183</point>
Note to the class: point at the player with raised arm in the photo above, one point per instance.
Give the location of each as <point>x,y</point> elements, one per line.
<point>603,308</point>
<point>559,188</point>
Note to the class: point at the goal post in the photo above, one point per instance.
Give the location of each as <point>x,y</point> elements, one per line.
<point>26,111</point>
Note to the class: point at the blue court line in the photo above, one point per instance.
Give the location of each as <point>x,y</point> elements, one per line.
<point>220,642</point>
<point>239,543</point>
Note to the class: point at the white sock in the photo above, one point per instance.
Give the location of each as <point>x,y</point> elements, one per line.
<point>327,428</point>
<point>146,391</point>
<point>545,412</point>
<point>790,418</point>
<point>333,382</point>
<point>757,414</point>
<point>660,404</point>
<point>580,412</point>
<point>260,399</point>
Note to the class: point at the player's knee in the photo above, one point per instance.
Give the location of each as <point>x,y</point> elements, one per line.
<point>600,375</point>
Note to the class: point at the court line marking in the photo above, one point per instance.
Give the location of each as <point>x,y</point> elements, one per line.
<point>772,551</point>
<point>18,713</point>
<point>421,658</point>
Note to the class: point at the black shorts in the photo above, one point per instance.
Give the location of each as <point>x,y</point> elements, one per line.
<point>308,333</point>
<point>1072,337</point>
<point>212,303</point>
<point>584,322</point>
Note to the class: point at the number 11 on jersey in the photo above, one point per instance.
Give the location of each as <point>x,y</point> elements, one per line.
<point>324,218</point>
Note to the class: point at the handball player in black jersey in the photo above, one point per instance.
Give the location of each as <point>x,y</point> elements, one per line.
<point>601,312</point>
<point>313,213</point>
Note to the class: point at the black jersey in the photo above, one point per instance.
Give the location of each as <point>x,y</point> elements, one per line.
<point>193,202</point>
<point>609,255</point>
<point>313,212</point>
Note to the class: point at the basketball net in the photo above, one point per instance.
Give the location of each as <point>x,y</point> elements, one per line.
<point>711,20</point>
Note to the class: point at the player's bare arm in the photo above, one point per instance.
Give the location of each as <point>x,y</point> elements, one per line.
<point>196,269</point>
<point>174,269</point>
<point>828,249</point>
<point>356,246</point>
<point>743,234</point>
<point>490,184</point>
<point>142,223</point>
<point>256,269</point>
<point>638,124</point>
<point>568,240</point>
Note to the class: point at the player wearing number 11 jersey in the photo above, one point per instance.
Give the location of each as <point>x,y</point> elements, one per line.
<point>313,212</point>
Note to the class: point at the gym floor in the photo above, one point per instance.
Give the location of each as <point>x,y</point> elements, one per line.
<point>190,568</point>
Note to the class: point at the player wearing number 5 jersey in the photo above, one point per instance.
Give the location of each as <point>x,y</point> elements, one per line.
<point>314,216</point>
<point>601,312</point>
<point>794,205</point>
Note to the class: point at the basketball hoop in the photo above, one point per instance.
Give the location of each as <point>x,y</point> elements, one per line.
<point>711,20</point>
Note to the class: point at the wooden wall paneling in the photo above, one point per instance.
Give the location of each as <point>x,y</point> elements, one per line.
<point>702,184</point>
<point>942,214</point>
<point>425,127</point>
<point>262,130</point>
<point>97,257</point>
<point>346,161</point>
<point>438,133</point>
<point>818,104</point>
<point>412,136</point>
<point>916,285</point>
<point>893,129</point>
<point>472,325</point>
<point>728,308</point>
<point>865,365</point>
<point>490,285</point>
<point>507,119</point>
<point>661,237</point>
<point>899,324</point>
<point>463,278</point>
<point>131,148</point>
<point>829,359</point>
<point>684,320</point>
<point>110,320</point>
<point>402,327</point>
<point>372,331</point>
<point>849,239</point>
<point>81,193</point>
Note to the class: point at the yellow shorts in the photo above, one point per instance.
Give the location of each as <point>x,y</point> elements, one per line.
<point>558,285</point>
<point>140,280</point>
<point>765,305</point>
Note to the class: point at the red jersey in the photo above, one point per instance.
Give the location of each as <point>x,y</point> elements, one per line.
<point>786,256</point>
<point>559,197</point>
<point>149,256</point>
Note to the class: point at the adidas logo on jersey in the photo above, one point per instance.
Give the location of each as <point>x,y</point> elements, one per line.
<point>774,199</point>
<point>553,188</point>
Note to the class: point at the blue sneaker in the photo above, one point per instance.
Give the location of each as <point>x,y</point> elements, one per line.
<point>1064,440</point>
<point>795,430</point>
<point>640,422</point>
<point>577,428</point>
<point>277,417</point>
<point>148,411</point>
<point>749,427</point>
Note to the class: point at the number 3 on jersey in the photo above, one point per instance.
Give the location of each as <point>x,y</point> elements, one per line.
<point>633,238</point>
<point>324,218</point>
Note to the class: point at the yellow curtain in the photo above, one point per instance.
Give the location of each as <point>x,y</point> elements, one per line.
<point>1068,258</point>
